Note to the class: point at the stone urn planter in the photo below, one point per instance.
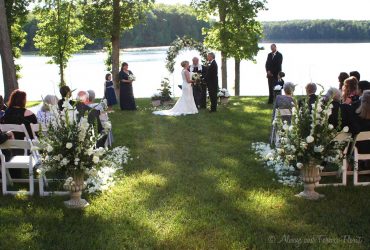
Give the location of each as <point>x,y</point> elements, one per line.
<point>156,103</point>
<point>224,100</point>
<point>75,187</point>
<point>310,175</point>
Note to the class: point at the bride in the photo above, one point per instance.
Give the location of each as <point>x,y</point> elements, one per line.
<point>186,104</point>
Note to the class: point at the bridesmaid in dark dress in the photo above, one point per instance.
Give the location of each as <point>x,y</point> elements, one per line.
<point>127,100</point>
<point>109,93</point>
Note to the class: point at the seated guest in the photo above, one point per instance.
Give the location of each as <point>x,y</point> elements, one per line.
<point>350,90</point>
<point>334,96</point>
<point>91,102</point>
<point>92,114</point>
<point>65,92</point>
<point>16,113</point>
<point>355,74</point>
<point>285,101</point>
<point>342,76</point>
<point>282,102</point>
<point>45,115</point>
<point>311,98</point>
<point>361,123</point>
<point>362,86</point>
<point>2,106</point>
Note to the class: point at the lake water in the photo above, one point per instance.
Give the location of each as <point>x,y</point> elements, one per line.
<point>320,63</point>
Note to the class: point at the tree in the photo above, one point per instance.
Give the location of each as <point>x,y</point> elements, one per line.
<point>9,73</point>
<point>231,14</point>
<point>100,23</point>
<point>59,33</point>
<point>16,14</point>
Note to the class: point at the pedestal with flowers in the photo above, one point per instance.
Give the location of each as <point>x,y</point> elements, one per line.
<point>309,142</point>
<point>224,95</point>
<point>69,147</point>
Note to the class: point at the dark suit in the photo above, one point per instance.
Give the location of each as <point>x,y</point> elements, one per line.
<point>212,84</point>
<point>273,64</point>
<point>200,90</point>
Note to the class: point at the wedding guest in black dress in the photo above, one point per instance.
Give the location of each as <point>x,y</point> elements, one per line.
<point>127,100</point>
<point>16,113</point>
<point>109,93</point>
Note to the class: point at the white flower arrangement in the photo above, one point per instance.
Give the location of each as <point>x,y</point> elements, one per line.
<point>223,93</point>
<point>310,138</point>
<point>69,147</point>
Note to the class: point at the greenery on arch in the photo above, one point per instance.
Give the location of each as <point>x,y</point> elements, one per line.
<point>181,43</point>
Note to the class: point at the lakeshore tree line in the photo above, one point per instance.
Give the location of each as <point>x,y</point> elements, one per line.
<point>60,28</point>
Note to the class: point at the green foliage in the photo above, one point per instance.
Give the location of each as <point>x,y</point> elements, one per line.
<point>237,33</point>
<point>59,33</point>
<point>108,60</point>
<point>97,16</point>
<point>165,90</point>
<point>16,13</point>
<point>317,31</point>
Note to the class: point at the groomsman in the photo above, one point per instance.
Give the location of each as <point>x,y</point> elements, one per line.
<point>199,90</point>
<point>273,67</point>
<point>212,80</point>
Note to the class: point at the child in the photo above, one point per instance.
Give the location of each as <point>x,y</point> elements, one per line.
<point>109,93</point>
<point>279,84</point>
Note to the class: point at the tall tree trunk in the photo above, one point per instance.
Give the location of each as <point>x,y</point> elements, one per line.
<point>9,72</point>
<point>222,15</point>
<point>115,42</point>
<point>61,73</point>
<point>237,77</point>
<point>224,69</point>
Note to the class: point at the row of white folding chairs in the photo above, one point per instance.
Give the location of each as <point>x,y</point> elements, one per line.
<point>350,148</point>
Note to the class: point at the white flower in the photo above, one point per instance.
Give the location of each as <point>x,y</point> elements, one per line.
<point>90,151</point>
<point>69,145</point>
<point>64,162</point>
<point>299,165</point>
<point>310,139</point>
<point>107,126</point>
<point>49,148</point>
<point>330,127</point>
<point>345,129</point>
<point>318,149</point>
<point>285,127</point>
<point>96,159</point>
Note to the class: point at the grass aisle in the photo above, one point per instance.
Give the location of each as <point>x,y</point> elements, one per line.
<point>194,184</point>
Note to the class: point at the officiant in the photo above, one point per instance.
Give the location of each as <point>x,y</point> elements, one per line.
<point>199,88</point>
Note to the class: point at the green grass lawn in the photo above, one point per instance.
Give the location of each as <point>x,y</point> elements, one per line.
<point>194,184</point>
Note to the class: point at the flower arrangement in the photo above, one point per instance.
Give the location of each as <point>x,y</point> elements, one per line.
<point>69,147</point>
<point>156,97</point>
<point>197,78</point>
<point>132,77</point>
<point>165,90</point>
<point>309,138</point>
<point>223,93</point>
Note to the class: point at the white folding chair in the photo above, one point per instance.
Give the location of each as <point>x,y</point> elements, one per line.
<point>286,115</point>
<point>344,169</point>
<point>361,137</point>
<point>15,128</point>
<point>17,162</point>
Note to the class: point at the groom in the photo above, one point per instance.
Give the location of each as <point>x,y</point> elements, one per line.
<point>199,89</point>
<point>212,80</point>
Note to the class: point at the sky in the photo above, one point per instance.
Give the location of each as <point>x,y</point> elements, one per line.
<point>280,10</point>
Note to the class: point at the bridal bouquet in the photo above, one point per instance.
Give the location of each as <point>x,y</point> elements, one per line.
<point>132,77</point>
<point>197,78</point>
<point>223,93</point>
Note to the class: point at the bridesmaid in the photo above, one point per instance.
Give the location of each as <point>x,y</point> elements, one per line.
<point>127,100</point>
<point>109,93</point>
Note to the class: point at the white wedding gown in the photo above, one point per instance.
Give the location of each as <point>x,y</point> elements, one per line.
<point>185,105</point>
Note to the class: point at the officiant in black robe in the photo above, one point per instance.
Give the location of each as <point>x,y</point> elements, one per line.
<point>200,88</point>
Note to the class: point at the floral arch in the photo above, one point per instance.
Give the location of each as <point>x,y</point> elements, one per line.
<point>179,44</point>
